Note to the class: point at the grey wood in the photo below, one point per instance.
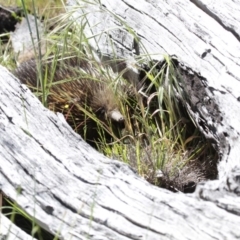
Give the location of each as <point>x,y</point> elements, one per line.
<point>25,43</point>
<point>9,231</point>
<point>71,189</point>
<point>196,34</point>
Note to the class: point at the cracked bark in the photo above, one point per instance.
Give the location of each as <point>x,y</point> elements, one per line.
<point>71,189</point>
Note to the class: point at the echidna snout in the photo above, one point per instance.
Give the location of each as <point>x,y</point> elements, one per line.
<point>116,116</point>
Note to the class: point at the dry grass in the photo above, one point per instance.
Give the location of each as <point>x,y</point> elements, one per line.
<point>46,8</point>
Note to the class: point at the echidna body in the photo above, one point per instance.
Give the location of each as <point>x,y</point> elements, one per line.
<point>79,90</point>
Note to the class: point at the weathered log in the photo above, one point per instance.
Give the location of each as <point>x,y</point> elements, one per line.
<point>207,41</point>
<point>71,189</point>
<point>11,231</point>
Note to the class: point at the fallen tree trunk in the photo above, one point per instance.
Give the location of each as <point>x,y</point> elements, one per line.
<point>72,190</point>
<point>207,41</point>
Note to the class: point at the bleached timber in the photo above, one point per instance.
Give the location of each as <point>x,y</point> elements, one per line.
<point>72,189</point>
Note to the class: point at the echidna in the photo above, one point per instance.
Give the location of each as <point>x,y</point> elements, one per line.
<point>81,91</point>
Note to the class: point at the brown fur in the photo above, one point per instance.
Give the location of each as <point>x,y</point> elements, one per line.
<point>75,88</point>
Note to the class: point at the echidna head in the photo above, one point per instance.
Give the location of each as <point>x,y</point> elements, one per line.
<point>110,112</point>
<point>108,105</point>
